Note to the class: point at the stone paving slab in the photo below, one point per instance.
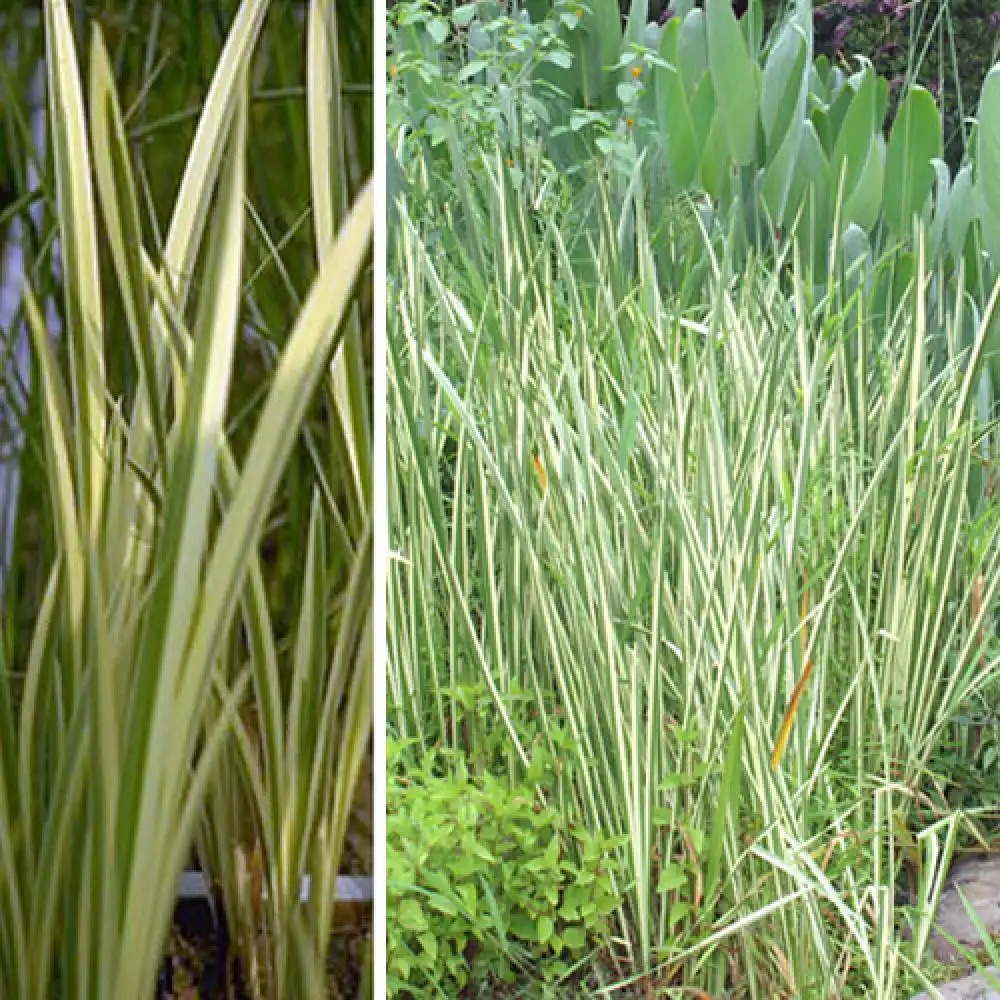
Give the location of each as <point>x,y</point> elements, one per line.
<point>978,879</point>
<point>969,988</point>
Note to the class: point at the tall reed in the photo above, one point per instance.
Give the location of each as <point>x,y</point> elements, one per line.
<point>734,540</point>
<point>153,641</point>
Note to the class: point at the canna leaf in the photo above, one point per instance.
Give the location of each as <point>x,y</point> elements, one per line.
<point>961,212</point>
<point>851,153</point>
<point>672,113</point>
<point>784,86</point>
<point>734,76</point>
<point>692,51</point>
<point>865,201</point>
<point>988,163</point>
<point>915,141</point>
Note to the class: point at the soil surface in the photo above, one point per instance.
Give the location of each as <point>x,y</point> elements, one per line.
<point>200,965</point>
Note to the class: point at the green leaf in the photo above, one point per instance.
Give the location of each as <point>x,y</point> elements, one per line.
<point>988,162</point>
<point>475,67</point>
<point>120,206</point>
<point>545,928</point>
<point>443,904</point>
<point>865,201</point>
<point>464,14</point>
<point>716,163</point>
<point>596,45</point>
<point>438,29</point>
<point>672,876</point>
<point>961,211</point>
<point>430,945</point>
<point>672,113</point>
<point>726,804</point>
<point>678,912</point>
<point>522,926</point>
<point>627,92</point>
<point>703,115</point>
<point>810,193</point>
<point>734,77</point>
<point>988,142</point>
<point>411,916</point>
<point>784,87</point>
<point>78,247</point>
<point>855,137</point>
<point>915,141</point>
<point>557,57</point>
<point>692,51</point>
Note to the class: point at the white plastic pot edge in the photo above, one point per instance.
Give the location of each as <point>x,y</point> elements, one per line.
<point>350,888</point>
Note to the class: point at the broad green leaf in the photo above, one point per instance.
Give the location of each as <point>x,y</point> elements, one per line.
<point>464,14</point>
<point>915,141</point>
<point>854,146</point>
<point>961,211</point>
<point>840,105</point>
<point>819,78</point>
<point>411,916</point>
<point>627,92</point>
<point>783,87</point>
<point>692,51</point>
<point>811,193</point>
<point>635,25</point>
<point>715,163</point>
<point>437,28</point>
<point>857,250</point>
<point>608,28</point>
<point>672,877</point>
<point>779,175</point>
<point>597,44</point>
<point>703,113</point>
<point>988,163</point>
<point>988,142</point>
<point>881,99</point>
<point>864,203</point>
<point>588,70</point>
<point>820,118</point>
<point>672,114</point>
<point>936,231</point>
<point>734,76</point>
<point>752,28</point>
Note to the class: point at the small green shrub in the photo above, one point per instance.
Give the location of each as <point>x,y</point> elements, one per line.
<point>485,881</point>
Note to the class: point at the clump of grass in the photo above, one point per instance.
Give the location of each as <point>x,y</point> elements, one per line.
<point>151,650</point>
<point>737,546</point>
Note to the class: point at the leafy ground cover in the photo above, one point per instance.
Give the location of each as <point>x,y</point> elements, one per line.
<point>694,531</point>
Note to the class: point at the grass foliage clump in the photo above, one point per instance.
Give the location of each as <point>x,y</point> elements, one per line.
<point>719,537</point>
<point>157,703</point>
